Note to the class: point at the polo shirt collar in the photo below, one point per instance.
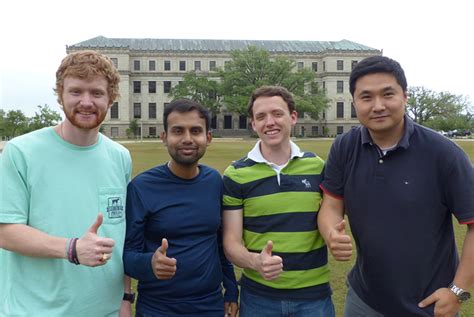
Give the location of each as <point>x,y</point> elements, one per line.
<point>404,142</point>
<point>256,155</point>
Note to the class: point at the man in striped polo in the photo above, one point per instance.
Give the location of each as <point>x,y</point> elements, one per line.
<point>271,201</point>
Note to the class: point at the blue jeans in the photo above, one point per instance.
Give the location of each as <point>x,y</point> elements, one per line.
<point>355,307</point>
<point>252,305</point>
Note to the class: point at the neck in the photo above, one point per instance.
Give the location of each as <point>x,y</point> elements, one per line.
<point>183,171</point>
<point>278,155</point>
<point>76,136</point>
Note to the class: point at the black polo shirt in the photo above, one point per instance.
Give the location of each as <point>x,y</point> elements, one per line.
<point>399,207</point>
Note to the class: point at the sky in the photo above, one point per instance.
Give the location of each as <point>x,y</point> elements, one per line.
<point>432,40</point>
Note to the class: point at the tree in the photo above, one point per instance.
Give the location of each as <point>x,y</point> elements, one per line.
<point>45,117</point>
<point>15,123</point>
<point>252,68</point>
<point>2,124</point>
<point>200,89</point>
<point>425,105</point>
<point>248,70</point>
<point>132,130</point>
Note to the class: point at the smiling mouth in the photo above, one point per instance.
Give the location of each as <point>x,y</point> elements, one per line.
<point>272,132</point>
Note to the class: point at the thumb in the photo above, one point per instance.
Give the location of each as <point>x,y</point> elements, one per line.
<point>164,246</point>
<point>268,248</point>
<point>341,227</point>
<point>95,226</point>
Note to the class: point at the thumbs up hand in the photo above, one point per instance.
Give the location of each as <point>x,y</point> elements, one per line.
<point>340,243</point>
<point>268,265</point>
<point>163,267</point>
<point>93,250</point>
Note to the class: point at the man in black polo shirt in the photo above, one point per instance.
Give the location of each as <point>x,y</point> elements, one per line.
<point>399,184</point>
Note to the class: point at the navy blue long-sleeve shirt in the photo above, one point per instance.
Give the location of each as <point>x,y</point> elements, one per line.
<point>188,214</point>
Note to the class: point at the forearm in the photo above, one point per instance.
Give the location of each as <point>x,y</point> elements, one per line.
<point>28,241</point>
<point>465,273</point>
<point>328,217</point>
<point>138,265</point>
<point>239,255</point>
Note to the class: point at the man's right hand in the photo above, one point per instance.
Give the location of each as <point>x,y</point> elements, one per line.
<point>163,267</point>
<point>340,243</point>
<point>268,265</point>
<point>93,250</point>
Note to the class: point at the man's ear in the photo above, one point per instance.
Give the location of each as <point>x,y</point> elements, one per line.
<point>163,137</point>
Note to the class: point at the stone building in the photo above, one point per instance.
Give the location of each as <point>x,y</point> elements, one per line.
<point>150,67</point>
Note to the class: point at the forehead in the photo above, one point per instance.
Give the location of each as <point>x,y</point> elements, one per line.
<point>268,104</point>
<point>185,119</point>
<point>98,81</point>
<point>376,81</point>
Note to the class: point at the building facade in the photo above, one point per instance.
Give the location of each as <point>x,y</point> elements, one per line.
<point>149,68</point>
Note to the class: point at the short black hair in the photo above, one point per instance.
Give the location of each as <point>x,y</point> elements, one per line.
<point>377,64</point>
<point>185,105</point>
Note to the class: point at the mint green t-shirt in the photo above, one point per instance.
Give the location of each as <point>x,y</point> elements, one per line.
<point>59,188</point>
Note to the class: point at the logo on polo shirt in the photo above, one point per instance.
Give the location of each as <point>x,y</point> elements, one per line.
<point>115,207</point>
<point>306,183</point>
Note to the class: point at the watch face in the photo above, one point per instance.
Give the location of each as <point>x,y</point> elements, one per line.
<point>464,296</point>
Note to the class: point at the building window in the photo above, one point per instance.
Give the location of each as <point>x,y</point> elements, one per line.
<point>137,110</point>
<point>315,130</point>
<point>353,111</point>
<point>152,87</point>
<point>114,113</point>
<point>166,87</point>
<point>324,66</point>
<point>324,85</point>
<point>115,62</point>
<point>242,122</point>
<point>340,129</point>
<point>340,110</point>
<point>167,65</point>
<point>197,65</point>
<point>152,110</point>
<point>214,122</point>
<point>340,64</point>
<point>314,66</point>
<point>324,114</point>
<point>228,122</point>
<point>114,132</point>
<point>136,65</point>
<point>353,64</point>
<point>182,65</point>
<point>340,86</point>
<point>301,114</point>
<point>151,66</point>
<point>212,66</point>
<point>300,65</point>
<point>152,131</point>
<point>137,87</point>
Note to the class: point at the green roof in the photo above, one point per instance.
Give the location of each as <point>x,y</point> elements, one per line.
<point>135,44</point>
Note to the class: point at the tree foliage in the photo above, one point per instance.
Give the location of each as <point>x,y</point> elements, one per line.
<point>15,122</point>
<point>247,70</point>
<point>44,117</point>
<point>425,104</point>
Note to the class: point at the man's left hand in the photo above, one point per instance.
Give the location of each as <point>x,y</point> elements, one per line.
<point>231,309</point>
<point>446,303</point>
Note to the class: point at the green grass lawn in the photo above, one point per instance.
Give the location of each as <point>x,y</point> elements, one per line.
<point>222,152</point>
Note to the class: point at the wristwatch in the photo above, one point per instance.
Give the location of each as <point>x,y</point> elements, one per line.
<point>130,297</point>
<point>461,294</point>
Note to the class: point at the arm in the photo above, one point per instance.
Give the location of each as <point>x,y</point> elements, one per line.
<point>126,306</point>
<point>446,303</point>
<point>268,265</point>
<point>138,262</point>
<point>331,224</point>
<point>231,294</point>
<point>29,241</point>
